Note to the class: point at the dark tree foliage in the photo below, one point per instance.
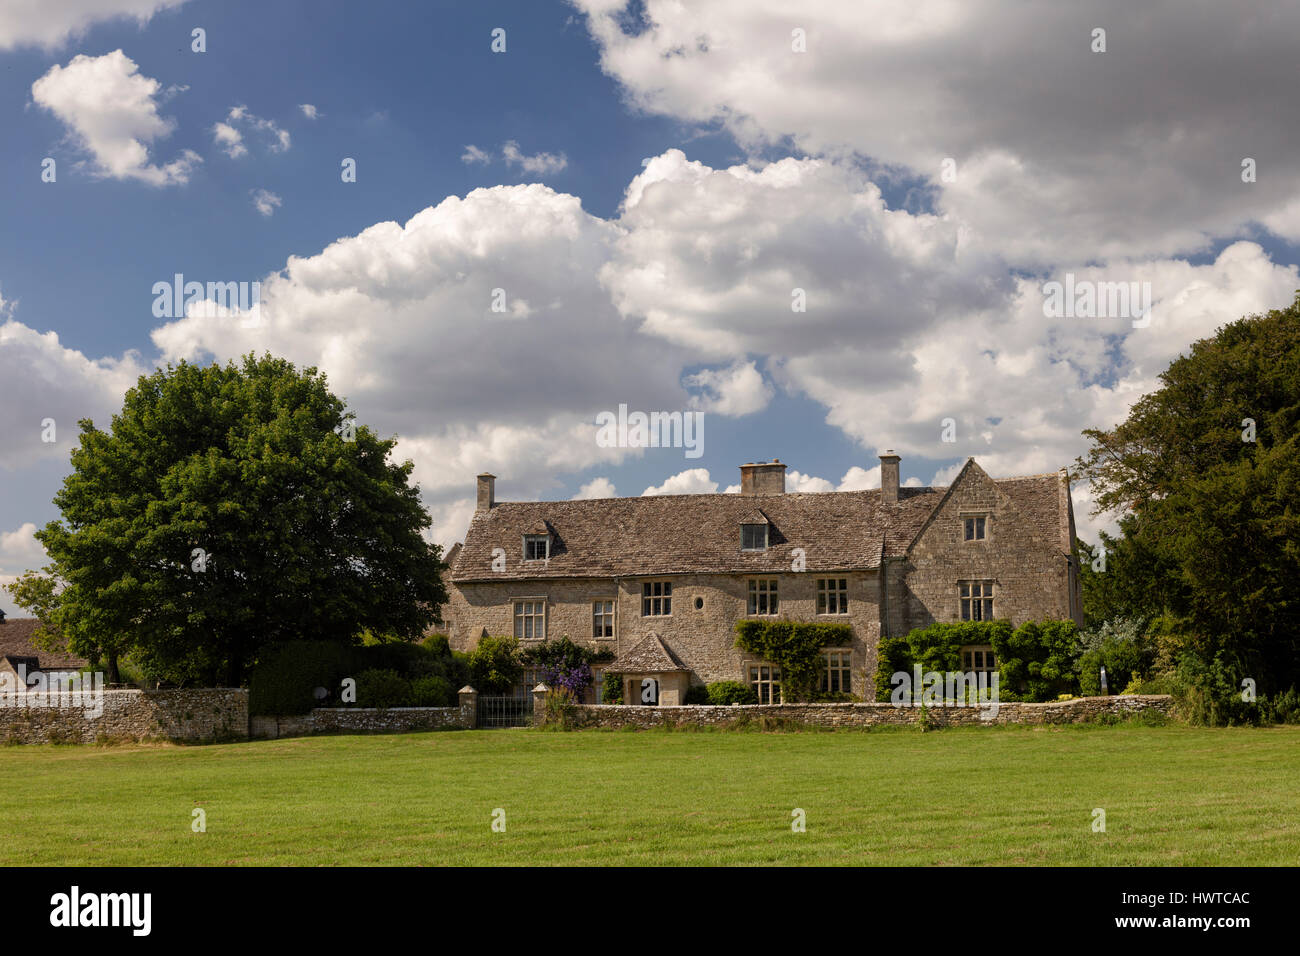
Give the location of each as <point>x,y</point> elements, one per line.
<point>231,507</point>
<point>1211,518</point>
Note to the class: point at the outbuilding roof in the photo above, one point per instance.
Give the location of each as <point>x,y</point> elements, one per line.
<point>650,656</point>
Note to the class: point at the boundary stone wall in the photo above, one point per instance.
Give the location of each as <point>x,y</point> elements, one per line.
<point>1078,710</point>
<point>188,716</point>
<point>365,720</point>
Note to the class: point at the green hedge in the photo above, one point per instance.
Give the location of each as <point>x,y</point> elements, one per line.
<point>795,647</point>
<point>1036,661</point>
<point>433,690</point>
<point>494,665</point>
<point>1125,661</point>
<point>696,694</point>
<point>611,689</point>
<point>383,688</point>
<point>285,677</point>
<point>726,692</point>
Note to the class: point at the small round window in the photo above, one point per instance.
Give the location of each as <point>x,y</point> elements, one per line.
<point>699,604</point>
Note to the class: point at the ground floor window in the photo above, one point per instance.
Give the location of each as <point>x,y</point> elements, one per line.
<point>766,681</point>
<point>532,676</point>
<point>978,658</point>
<point>836,678</point>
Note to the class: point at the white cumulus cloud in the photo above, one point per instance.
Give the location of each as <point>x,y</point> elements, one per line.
<point>45,24</point>
<point>265,201</point>
<point>693,481</point>
<point>111,112</point>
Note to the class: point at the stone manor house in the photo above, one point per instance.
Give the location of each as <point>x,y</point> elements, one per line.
<point>660,581</point>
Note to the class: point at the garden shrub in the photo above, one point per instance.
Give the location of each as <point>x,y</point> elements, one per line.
<point>458,671</point>
<point>611,690</point>
<point>437,645</point>
<point>795,647</point>
<point>1036,660</point>
<point>1124,660</point>
<point>409,660</point>
<point>564,665</point>
<point>1208,693</point>
<point>382,688</point>
<point>727,692</point>
<point>1156,684</point>
<point>934,648</point>
<point>697,694</point>
<point>1284,708</point>
<point>561,711</point>
<point>495,666</point>
<point>433,690</point>
<point>286,676</point>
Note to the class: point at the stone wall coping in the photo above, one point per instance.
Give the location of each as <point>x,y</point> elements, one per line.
<point>885,705</point>
<point>374,710</point>
<point>147,690</point>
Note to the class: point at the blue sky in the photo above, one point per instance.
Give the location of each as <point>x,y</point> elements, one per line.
<point>769,168</point>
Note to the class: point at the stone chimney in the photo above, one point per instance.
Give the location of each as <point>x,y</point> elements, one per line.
<point>889,477</point>
<point>487,492</point>
<point>762,478</point>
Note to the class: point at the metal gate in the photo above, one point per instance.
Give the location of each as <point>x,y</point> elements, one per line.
<point>505,711</point>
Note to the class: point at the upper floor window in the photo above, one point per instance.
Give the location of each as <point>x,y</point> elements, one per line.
<point>656,598</point>
<point>763,596</point>
<point>537,547</point>
<point>976,527</point>
<point>976,599</point>
<point>530,620</point>
<point>602,619</point>
<point>753,537</point>
<point>832,596</point>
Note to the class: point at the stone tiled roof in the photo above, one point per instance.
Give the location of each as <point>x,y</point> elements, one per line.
<point>16,641</point>
<point>650,656</point>
<point>684,534</point>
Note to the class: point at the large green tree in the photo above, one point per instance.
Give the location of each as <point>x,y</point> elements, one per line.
<point>230,507</point>
<point>1206,474</point>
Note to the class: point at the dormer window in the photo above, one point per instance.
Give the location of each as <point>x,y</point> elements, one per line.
<point>537,547</point>
<point>753,537</point>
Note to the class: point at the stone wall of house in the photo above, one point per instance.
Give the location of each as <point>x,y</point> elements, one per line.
<point>190,716</point>
<point>704,637</point>
<point>1026,555</point>
<point>1079,710</point>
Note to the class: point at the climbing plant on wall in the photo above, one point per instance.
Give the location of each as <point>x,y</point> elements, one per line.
<point>795,647</point>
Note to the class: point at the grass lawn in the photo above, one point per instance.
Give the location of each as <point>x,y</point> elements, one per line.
<point>1172,796</point>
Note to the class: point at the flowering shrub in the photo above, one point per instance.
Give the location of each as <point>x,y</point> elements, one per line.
<point>564,665</point>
